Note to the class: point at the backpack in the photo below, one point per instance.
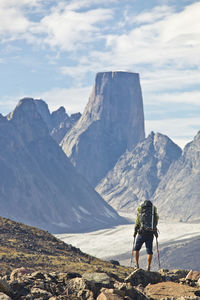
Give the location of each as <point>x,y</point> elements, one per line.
<point>148,220</point>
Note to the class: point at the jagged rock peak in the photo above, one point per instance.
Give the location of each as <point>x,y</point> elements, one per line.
<point>137,173</point>
<point>28,120</point>
<point>112,122</point>
<point>75,117</point>
<point>24,106</point>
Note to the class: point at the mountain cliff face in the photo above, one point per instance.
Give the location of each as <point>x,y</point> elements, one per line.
<point>177,195</point>
<point>112,122</point>
<point>38,184</point>
<point>137,173</point>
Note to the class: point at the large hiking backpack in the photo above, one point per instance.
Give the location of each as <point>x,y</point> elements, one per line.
<point>148,220</point>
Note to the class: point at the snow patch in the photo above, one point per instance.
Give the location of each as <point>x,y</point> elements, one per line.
<point>109,213</point>
<point>77,214</point>
<point>85,211</point>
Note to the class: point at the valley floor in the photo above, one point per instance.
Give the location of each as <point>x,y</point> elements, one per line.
<point>179,245</point>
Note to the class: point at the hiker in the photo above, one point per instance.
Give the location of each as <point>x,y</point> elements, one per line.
<point>146,228</point>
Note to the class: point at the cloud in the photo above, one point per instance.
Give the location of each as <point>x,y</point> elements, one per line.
<point>70,30</point>
<point>157,13</point>
<point>190,97</point>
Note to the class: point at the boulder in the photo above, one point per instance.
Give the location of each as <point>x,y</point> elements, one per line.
<point>18,273</point>
<point>5,288</point>
<point>142,277</point>
<point>173,275</point>
<point>193,275</point>
<point>97,278</point>
<point>4,297</point>
<point>111,294</point>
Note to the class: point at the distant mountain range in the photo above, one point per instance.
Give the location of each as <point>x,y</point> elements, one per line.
<point>38,184</point>
<point>52,187</point>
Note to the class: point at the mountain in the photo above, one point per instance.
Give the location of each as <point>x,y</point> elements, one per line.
<point>177,195</point>
<point>112,122</point>
<point>58,122</point>
<point>38,184</point>
<point>137,173</point>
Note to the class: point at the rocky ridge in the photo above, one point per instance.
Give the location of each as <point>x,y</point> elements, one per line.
<point>38,184</point>
<point>36,265</point>
<point>58,122</point>
<point>112,122</point>
<point>138,172</point>
<point>177,195</point>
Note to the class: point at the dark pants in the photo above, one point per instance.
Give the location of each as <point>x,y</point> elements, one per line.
<point>147,239</point>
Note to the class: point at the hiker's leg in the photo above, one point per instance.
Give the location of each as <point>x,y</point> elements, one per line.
<point>137,254</point>
<point>138,245</point>
<point>149,249</point>
<point>149,260</point>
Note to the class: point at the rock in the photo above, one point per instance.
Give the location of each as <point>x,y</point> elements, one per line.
<point>97,278</point>
<point>4,297</point>
<point>173,275</point>
<point>172,290</point>
<point>36,293</point>
<point>132,292</point>
<point>5,288</point>
<point>19,272</point>
<point>144,278</point>
<point>138,172</point>
<point>198,282</point>
<point>37,275</point>
<point>193,275</point>
<point>115,262</point>
<point>111,294</point>
<point>112,122</point>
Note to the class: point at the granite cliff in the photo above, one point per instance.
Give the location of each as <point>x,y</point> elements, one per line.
<point>113,121</point>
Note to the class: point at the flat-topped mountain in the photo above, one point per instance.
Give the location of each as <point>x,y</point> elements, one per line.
<point>38,184</point>
<point>113,121</point>
<point>137,173</point>
<point>177,195</point>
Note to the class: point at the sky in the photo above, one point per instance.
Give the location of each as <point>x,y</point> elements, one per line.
<point>53,49</point>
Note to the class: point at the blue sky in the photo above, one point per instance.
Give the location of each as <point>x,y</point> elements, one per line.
<point>53,49</point>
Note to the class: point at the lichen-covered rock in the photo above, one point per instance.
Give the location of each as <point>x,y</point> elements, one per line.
<point>97,278</point>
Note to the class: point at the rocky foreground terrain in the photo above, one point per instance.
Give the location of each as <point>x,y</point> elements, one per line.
<point>36,265</point>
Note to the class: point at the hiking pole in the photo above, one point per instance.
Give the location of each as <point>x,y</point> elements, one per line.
<point>158,252</point>
<point>132,251</point>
